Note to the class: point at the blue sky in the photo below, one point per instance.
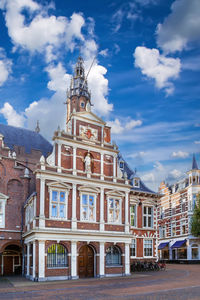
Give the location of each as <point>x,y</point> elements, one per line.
<point>144,80</point>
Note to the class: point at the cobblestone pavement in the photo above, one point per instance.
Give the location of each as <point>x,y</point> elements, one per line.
<point>177,282</point>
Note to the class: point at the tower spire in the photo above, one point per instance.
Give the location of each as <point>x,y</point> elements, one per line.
<point>194,163</point>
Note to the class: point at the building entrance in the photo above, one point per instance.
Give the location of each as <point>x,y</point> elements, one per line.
<point>86,262</point>
<point>11,260</point>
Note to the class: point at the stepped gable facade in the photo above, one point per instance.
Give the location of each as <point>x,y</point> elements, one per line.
<point>87,214</point>
<point>175,211</point>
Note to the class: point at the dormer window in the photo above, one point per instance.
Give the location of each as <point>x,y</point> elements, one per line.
<point>121,165</point>
<point>136,182</point>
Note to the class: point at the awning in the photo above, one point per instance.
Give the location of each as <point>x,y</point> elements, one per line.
<point>178,244</point>
<point>163,245</point>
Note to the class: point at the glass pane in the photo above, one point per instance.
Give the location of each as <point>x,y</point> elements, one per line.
<point>1,219</point>
<point>149,210</point>
<point>111,215</point>
<point>132,220</point>
<point>91,200</point>
<point>54,210</point>
<point>91,214</point>
<point>145,223</point>
<point>84,213</point>
<point>84,200</point>
<point>62,197</point>
<point>149,222</point>
<point>62,210</point>
<point>1,208</point>
<point>117,204</point>
<point>111,203</point>
<point>145,210</point>
<point>54,196</point>
<point>117,216</point>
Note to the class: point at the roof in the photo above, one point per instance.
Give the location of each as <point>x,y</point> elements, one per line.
<point>178,244</point>
<point>194,163</point>
<point>28,139</point>
<point>131,175</point>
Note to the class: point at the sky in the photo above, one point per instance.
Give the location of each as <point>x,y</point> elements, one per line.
<point>145,79</point>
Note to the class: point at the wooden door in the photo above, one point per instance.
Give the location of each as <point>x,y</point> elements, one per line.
<point>86,262</point>
<point>8,265</point>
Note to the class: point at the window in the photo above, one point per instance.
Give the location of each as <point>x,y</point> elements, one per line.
<point>121,164</point>
<point>56,256</point>
<point>133,215</point>
<point>58,204</point>
<point>183,227</point>
<point>195,251</point>
<point>114,210</point>
<point>162,212</point>
<point>2,210</point>
<point>133,248</point>
<point>113,256</point>
<point>148,247</point>
<point>88,207</point>
<point>136,182</point>
<point>162,232</point>
<point>183,205</point>
<point>173,208</point>
<point>173,229</point>
<point>82,103</point>
<point>148,216</point>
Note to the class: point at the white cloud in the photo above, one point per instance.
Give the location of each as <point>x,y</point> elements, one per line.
<point>5,67</point>
<point>180,27</point>
<point>180,154</point>
<point>197,142</point>
<point>43,30</point>
<point>133,123</point>
<point>60,80</point>
<point>104,52</point>
<point>174,174</point>
<point>117,19</point>
<point>149,177</point>
<point>158,67</point>
<point>158,166</point>
<point>118,127</point>
<point>12,117</point>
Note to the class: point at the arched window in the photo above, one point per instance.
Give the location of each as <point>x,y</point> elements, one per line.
<point>113,256</point>
<point>56,256</point>
<point>195,251</point>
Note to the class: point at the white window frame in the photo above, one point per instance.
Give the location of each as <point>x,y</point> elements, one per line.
<point>182,223</point>
<point>95,207</point>
<point>135,243</point>
<point>173,223</point>
<point>147,256</point>
<point>120,209</point>
<point>3,200</point>
<point>65,203</point>
<point>133,226</point>
<point>147,215</point>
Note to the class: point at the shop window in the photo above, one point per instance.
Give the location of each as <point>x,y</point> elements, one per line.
<point>88,207</point>
<point>148,216</point>
<point>113,256</point>
<point>148,248</point>
<point>133,248</point>
<point>182,253</point>
<point>56,256</point>
<point>58,204</point>
<point>114,210</point>
<point>133,215</point>
<point>195,251</point>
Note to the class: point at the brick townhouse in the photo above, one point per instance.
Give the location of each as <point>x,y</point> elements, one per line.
<point>87,213</point>
<point>176,207</point>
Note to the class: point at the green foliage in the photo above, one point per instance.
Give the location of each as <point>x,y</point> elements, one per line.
<point>195,221</point>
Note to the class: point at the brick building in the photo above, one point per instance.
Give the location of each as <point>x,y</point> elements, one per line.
<point>88,213</point>
<point>175,211</point>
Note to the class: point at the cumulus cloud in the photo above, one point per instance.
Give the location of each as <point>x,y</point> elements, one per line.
<point>60,80</point>
<point>180,27</point>
<point>5,67</point>
<point>180,154</point>
<point>12,117</point>
<point>158,67</point>
<point>119,127</point>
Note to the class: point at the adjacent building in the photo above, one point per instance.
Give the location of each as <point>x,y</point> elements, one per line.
<point>84,212</point>
<point>175,210</point>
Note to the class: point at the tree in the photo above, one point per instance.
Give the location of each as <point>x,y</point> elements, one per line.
<point>195,221</point>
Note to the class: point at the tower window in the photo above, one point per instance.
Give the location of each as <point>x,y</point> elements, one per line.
<point>82,104</point>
